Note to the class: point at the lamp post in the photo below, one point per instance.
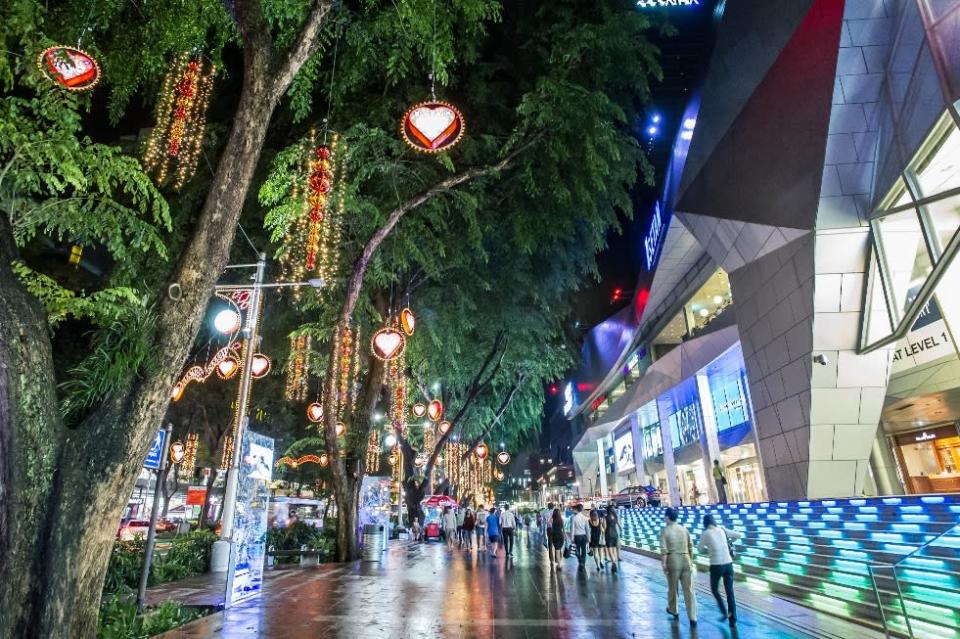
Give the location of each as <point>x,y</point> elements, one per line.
<point>220,555</point>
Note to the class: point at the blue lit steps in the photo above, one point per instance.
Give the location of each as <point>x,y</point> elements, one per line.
<point>816,552</point>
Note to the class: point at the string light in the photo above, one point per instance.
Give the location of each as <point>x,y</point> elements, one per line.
<point>227,457</point>
<point>346,367</point>
<point>298,368</point>
<point>190,454</point>
<point>373,452</point>
<point>173,147</point>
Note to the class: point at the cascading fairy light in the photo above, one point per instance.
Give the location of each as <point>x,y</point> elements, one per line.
<point>189,454</point>
<point>346,367</point>
<point>429,438</point>
<point>173,147</point>
<point>227,457</point>
<point>373,452</point>
<point>298,368</point>
<point>398,393</point>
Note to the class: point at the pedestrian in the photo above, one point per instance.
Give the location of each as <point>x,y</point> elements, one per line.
<point>526,527</point>
<point>493,531</point>
<point>546,514</point>
<point>613,529</point>
<point>415,529</point>
<point>449,526</point>
<point>508,523</point>
<point>461,514</point>
<point>481,526</point>
<point>557,538</point>
<point>720,479</point>
<point>469,523</point>
<point>676,556</point>
<point>715,541</point>
<point>580,531</point>
<point>597,539</point>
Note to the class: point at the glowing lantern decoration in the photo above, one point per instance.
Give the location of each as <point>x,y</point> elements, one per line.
<point>498,475</point>
<point>227,321</point>
<point>408,321</point>
<point>503,458</point>
<point>435,410</point>
<point>298,368</point>
<point>315,412</point>
<point>481,451</point>
<point>69,68</point>
<point>174,144</point>
<point>177,452</point>
<point>341,429</point>
<point>419,410</point>
<point>228,368</point>
<point>177,393</point>
<point>387,343</point>
<point>444,426</point>
<point>260,365</point>
<point>324,460</point>
<point>432,126</point>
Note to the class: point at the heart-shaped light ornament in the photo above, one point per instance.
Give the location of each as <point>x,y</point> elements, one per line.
<point>315,412</point>
<point>435,410</point>
<point>498,476</point>
<point>408,321</point>
<point>177,452</point>
<point>259,365</point>
<point>387,343</point>
<point>432,126</point>
<point>324,460</point>
<point>341,429</point>
<point>177,391</point>
<point>443,427</point>
<point>228,367</point>
<point>419,410</point>
<point>503,458</point>
<point>481,451</point>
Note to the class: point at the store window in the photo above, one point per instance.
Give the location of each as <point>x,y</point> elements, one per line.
<point>930,459</point>
<point>707,303</point>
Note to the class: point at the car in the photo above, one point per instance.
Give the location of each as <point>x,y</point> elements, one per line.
<point>133,529</point>
<point>166,525</point>
<point>637,497</point>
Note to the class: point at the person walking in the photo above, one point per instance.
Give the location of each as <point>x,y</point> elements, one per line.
<point>449,526</point>
<point>612,527</point>
<point>493,531</point>
<point>415,529</point>
<point>461,515</point>
<point>546,514</point>
<point>715,541</point>
<point>597,541</point>
<point>676,555</point>
<point>580,531</point>
<point>480,526</point>
<point>558,537</point>
<point>508,525</point>
<point>720,479</point>
<point>469,523</point>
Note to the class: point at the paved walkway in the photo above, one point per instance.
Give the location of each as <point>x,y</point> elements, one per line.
<point>424,591</point>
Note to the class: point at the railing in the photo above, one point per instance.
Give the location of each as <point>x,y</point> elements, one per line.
<point>873,568</point>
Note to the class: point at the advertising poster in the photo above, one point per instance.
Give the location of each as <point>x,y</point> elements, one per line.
<point>245,573</point>
<point>623,449</point>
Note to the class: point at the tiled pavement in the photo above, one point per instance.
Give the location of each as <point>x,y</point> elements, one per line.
<point>424,591</point>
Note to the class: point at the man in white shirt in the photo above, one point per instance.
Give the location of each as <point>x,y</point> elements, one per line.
<point>580,529</point>
<point>715,541</point>
<point>676,552</point>
<point>508,522</point>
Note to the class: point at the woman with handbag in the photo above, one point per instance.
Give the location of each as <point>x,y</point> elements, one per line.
<point>716,541</point>
<point>557,538</point>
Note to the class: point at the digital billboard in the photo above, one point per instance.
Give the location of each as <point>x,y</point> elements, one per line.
<point>623,450</point>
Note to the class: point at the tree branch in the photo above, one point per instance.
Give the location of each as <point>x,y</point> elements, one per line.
<point>306,45</point>
<point>504,405</point>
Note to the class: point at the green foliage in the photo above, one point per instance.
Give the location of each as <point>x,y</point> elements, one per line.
<point>188,556</point>
<point>298,535</point>
<point>119,618</point>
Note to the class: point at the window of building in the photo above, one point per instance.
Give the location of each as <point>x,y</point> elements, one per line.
<point>671,335</point>
<point>707,303</point>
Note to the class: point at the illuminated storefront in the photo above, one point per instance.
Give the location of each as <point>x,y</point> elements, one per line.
<point>929,459</point>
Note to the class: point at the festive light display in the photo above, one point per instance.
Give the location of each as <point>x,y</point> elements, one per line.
<point>177,452</point>
<point>408,321</point>
<point>481,451</point>
<point>388,343</point>
<point>226,361</point>
<point>259,365</point>
<point>432,126</point>
<point>312,240</point>
<point>69,68</point>
<point>435,410</point>
<point>298,368</point>
<point>315,412</point>
<point>443,427</point>
<point>419,410</point>
<point>227,455</point>
<point>173,147</point>
<point>503,458</point>
<point>429,438</point>
<point>228,367</point>
<point>341,429</point>
<point>347,367</point>
<point>324,460</point>
<point>397,379</point>
<point>189,454</point>
<point>227,321</point>
<point>373,452</point>
<point>470,476</point>
<point>300,461</point>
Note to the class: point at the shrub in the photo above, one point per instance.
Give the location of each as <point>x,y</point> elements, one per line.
<point>188,555</point>
<point>296,536</point>
<point>119,618</point>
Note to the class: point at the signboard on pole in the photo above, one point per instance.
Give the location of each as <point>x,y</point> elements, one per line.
<point>249,538</point>
<point>196,495</point>
<point>156,451</point>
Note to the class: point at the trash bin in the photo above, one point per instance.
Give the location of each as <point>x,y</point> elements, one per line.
<point>372,542</point>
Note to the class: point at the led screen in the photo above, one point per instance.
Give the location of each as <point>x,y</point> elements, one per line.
<point>623,449</point>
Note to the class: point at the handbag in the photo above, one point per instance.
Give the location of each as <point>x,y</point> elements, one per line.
<point>733,553</point>
<point>567,552</point>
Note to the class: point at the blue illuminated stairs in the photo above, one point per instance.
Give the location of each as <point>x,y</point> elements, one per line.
<point>819,553</point>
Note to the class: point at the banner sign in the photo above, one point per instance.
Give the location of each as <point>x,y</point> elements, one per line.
<point>248,550</point>
<point>196,495</point>
<point>927,340</point>
<point>156,451</point>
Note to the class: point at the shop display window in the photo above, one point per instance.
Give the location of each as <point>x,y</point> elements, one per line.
<point>708,302</point>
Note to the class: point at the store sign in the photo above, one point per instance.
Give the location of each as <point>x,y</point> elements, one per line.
<point>247,553</point>
<point>651,243</point>
<point>928,340</point>
<point>666,4</point>
<point>924,437</point>
<point>623,449</point>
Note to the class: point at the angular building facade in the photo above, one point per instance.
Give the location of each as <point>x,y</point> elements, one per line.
<point>799,324</point>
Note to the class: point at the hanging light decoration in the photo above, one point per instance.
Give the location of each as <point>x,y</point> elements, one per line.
<point>346,366</point>
<point>432,126</point>
<point>444,427</point>
<point>419,410</point>
<point>341,429</point>
<point>373,452</point>
<point>259,365</point>
<point>408,321</point>
<point>429,439</point>
<point>173,147</point>
<point>227,455</point>
<point>226,362</point>
<point>228,367</point>
<point>435,410</point>
<point>503,458</point>
<point>315,412</point>
<point>387,343</point>
<point>177,452</point>
<point>69,68</point>
<point>298,368</point>
<point>189,454</point>
<point>481,451</point>
<point>324,460</point>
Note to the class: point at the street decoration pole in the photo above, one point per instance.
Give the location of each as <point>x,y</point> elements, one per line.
<point>165,463</point>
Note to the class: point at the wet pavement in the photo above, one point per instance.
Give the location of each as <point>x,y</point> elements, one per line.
<point>422,590</point>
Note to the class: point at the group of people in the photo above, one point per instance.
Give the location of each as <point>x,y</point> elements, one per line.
<point>492,528</point>
<point>601,534</point>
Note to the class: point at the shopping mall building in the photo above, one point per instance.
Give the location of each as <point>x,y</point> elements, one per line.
<point>796,321</point>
